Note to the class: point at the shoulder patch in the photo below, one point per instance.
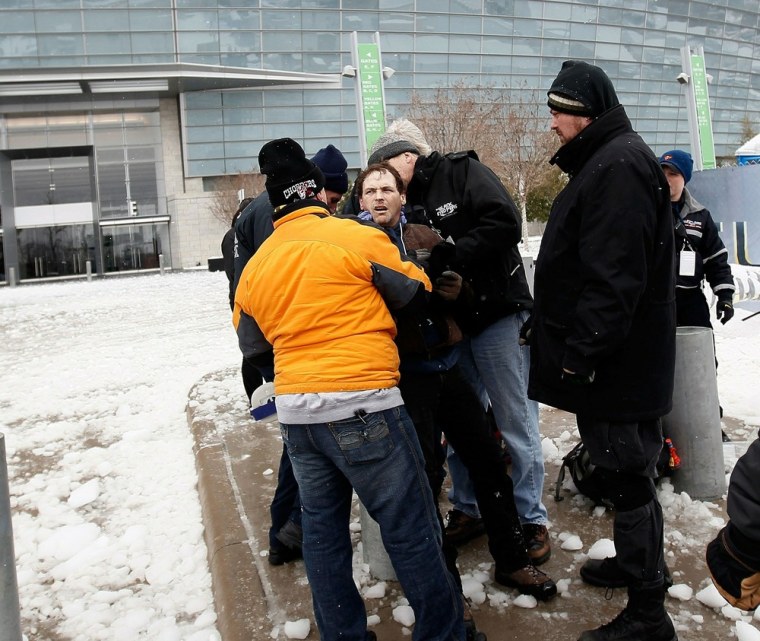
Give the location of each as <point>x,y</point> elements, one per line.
<point>459,155</point>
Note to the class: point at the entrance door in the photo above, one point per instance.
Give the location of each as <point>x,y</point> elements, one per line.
<point>54,214</point>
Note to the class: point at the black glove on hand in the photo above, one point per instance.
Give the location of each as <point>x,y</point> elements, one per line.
<point>724,311</point>
<point>442,258</point>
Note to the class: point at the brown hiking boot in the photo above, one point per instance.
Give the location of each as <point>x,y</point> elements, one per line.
<point>529,580</point>
<point>538,543</point>
<point>462,528</point>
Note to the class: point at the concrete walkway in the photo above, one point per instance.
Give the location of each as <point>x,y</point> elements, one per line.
<point>236,460</point>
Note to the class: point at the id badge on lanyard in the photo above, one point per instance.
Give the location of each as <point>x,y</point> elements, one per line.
<point>687,262</point>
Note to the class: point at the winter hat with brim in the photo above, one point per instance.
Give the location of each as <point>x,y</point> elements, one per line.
<point>388,146</point>
<point>291,176</point>
<point>679,160</point>
<point>581,89</point>
<point>333,166</point>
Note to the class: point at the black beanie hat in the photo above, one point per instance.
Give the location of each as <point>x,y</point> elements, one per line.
<point>582,89</point>
<point>291,176</point>
<point>333,166</point>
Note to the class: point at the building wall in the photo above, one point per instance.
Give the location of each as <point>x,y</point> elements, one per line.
<point>516,46</point>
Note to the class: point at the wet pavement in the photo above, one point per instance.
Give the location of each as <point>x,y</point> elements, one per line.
<point>237,457</point>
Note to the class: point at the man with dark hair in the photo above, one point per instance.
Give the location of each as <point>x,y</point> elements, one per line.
<point>467,204</point>
<point>438,398</point>
<point>320,291</point>
<point>602,332</point>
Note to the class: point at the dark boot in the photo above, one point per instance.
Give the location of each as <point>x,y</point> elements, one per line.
<point>528,580</point>
<point>605,573</point>
<point>537,540</point>
<point>643,619</point>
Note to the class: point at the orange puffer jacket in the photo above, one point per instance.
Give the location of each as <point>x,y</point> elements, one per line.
<point>320,289</point>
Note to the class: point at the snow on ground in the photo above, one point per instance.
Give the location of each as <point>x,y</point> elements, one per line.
<point>107,521</point>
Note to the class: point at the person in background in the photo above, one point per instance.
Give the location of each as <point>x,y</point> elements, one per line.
<point>602,331</point>
<point>701,252</point>
<point>321,291</point>
<point>467,203</point>
<point>251,376</point>
<point>253,227</point>
<point>733,557</point>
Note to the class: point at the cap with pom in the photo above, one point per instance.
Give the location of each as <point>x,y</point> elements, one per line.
<point>291,176</point>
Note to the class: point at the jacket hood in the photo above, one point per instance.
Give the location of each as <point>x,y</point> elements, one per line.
<point>571,156</point>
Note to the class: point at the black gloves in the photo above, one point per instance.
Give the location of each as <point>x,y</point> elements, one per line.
<point>442,258</point>
<point>724,311</point>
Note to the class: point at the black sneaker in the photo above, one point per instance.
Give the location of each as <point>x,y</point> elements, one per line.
<point>630,625</point>
<point>605,573</point>
<point>462,528</point>
<point>282,555</point>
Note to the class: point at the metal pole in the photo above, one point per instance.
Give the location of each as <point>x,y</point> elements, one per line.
<point>694,422</point>
<point>373,550</point>
<point>12,282</point>
<point>161,263</point>
<point>88,266</point>
<point>10,620</point>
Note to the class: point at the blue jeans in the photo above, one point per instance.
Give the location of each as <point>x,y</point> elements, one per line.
<point>379,457</point>
<point>497,367</point>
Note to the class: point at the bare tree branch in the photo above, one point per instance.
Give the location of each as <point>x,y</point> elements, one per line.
<point>509,130</point>
<point>225,201</point>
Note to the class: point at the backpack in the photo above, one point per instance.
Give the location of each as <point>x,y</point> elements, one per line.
<point>583,472</point>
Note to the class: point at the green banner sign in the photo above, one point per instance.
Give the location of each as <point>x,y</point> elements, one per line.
<point>704,121</point>
<point>371,86</point>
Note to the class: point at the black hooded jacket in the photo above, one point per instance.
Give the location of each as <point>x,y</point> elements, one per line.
<point>465,201</point>
<point>604,281</point>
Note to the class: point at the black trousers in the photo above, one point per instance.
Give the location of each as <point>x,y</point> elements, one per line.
<point>445,402</point>
<point>625,455</point>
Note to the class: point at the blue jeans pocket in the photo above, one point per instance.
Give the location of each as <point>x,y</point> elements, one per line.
<point>363,440</point>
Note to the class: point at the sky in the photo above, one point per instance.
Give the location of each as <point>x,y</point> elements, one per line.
<point>106,517</point>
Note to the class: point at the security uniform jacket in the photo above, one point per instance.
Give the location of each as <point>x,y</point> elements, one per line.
<point>320,289</point>
<point>604,281</point>
<point>696,231</point>
<point>465,201</point>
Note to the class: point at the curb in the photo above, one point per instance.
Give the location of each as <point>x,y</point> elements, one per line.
<point>232,562</point>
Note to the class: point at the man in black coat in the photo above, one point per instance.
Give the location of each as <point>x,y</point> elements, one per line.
<point>602,332</point>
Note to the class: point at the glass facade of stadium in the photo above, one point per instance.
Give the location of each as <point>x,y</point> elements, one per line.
<point>116,116</point>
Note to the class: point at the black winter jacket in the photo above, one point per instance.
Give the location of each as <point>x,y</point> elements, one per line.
<point>252,228</point>
<point>743,502</point>
<point>464,200</point>
<point>604,281</point>
<point>696,231</point>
